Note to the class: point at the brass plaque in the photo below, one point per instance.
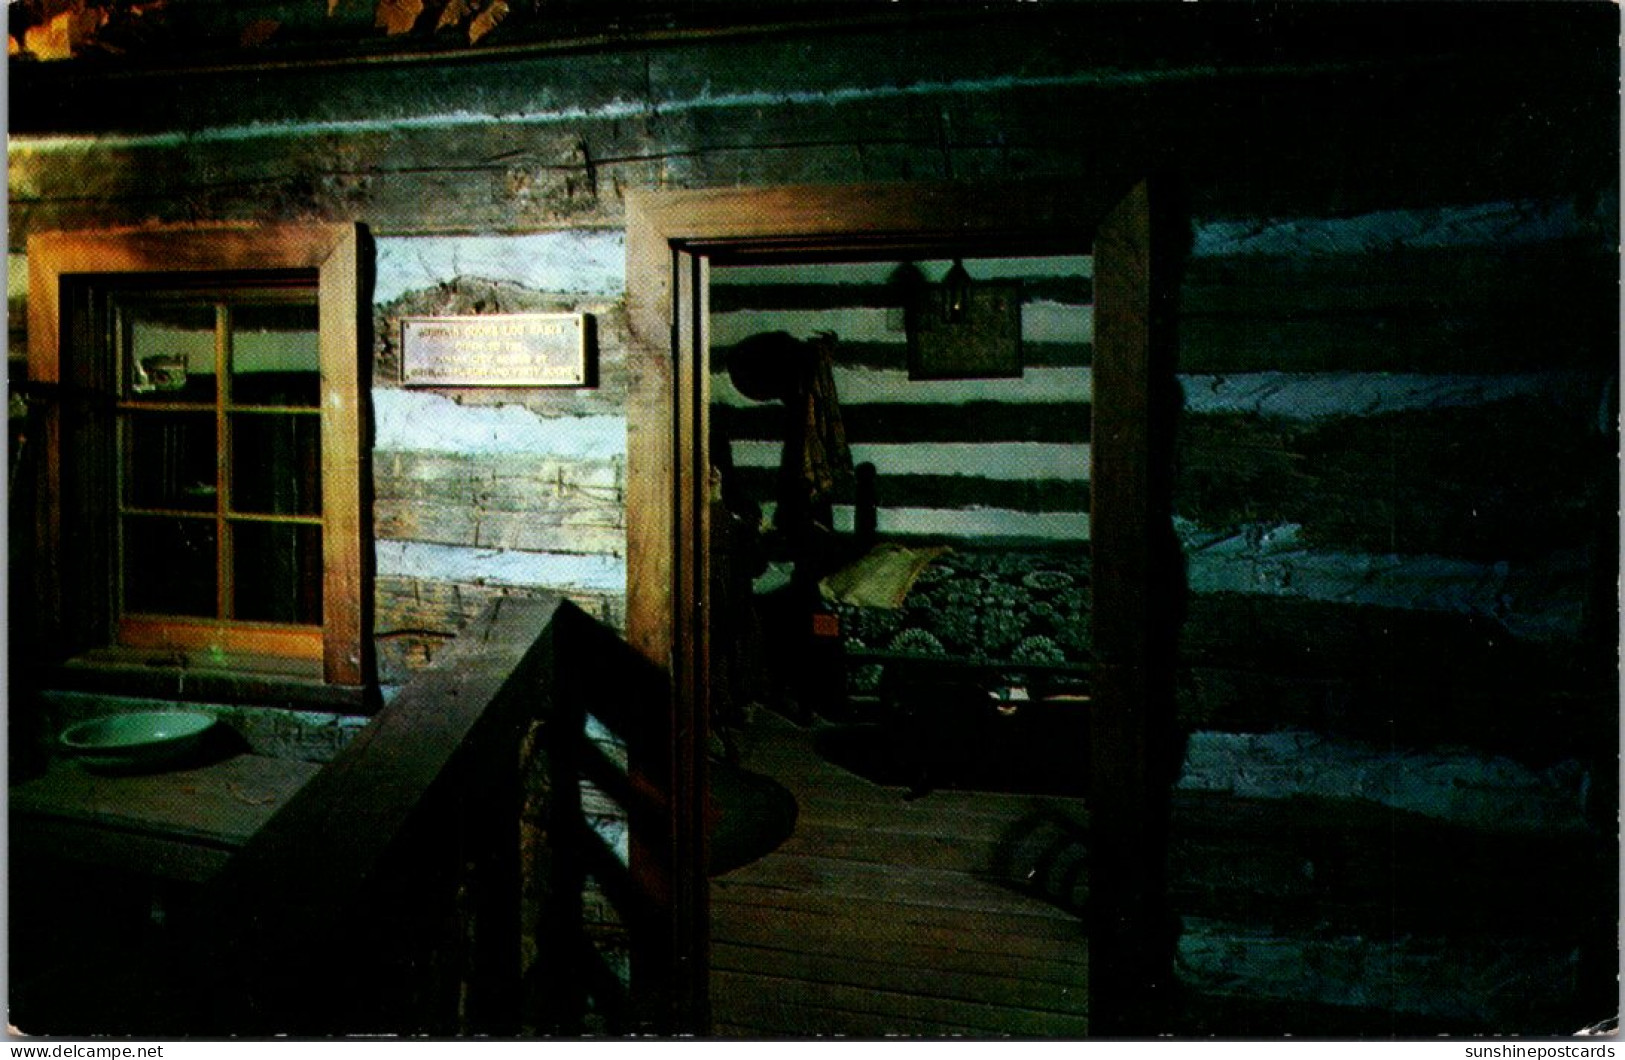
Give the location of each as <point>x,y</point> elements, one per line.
<point>519,349</point>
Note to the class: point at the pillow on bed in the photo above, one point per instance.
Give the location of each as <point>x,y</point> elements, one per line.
<point>881,578</point>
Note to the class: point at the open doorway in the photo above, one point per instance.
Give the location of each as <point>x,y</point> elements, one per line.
<point>900,507</point>
<point>675,240</point>
<point>900,665</point>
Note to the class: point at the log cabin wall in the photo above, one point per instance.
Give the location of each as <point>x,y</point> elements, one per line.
<point>1396,451</point>
<point>955,459</point>
<point>1395,490</point>
<point>479,491</point>
<point>1396,477</point>
<point>1411,411</point>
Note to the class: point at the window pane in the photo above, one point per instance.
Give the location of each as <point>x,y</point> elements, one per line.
<point>169,353</point>
<point>275,356</point>
<point>169,566</point>
<point>277,572</point>
<point>169,460</point>
<point>276,464</point>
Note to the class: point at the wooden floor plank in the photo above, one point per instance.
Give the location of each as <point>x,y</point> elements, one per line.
<point>975,928</point>
<point>897,884</point>
<point>1040,960</point>
<point>771,1017</point>
<point>896,1006</point>
<point>973,943</point>
<point>885,915</point>
<point>829,796</point>
<point>789,753</point>
<point>952,853</point>
<point>881,970</point>
<point>928,816</point>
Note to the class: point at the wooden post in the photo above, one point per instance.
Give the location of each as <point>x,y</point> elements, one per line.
<point>691,671</point>
<point>668,475</point>
<point>1131,727</point>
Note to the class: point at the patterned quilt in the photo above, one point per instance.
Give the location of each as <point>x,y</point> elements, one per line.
<point>986,605</point>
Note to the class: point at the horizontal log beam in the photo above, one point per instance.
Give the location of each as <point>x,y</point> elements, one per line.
<point>671,44</point>
<point>947,492</point>
<point>1357,278</point>
<point>1391,677</point>
<point>730,297</point>
<point>879,424</point>
<point>418,618</point>
<point>1507,481</point>
<point>530,483</point>
<point>893,356</point>
<point>363,143</point>
<point>1564,333</point>
<point>1310,872</point>
<point>509,501</point>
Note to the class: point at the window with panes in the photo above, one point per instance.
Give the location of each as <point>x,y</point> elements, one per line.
<point>202,507</point>
<point>219,458</point>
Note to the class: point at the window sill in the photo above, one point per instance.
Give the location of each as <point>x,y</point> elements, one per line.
<point>253,680</point>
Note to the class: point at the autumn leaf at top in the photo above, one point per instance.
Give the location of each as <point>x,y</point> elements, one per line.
<point>51,40</point>
<point>453,14</point>
<point>62,29</point>
<point>487,20</point>
<point>67,32</point>
<point>395,17</point>
<point>476,17</point>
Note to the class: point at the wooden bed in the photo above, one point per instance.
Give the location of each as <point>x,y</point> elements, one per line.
<point>1011,620</point>
<point>963,666</point>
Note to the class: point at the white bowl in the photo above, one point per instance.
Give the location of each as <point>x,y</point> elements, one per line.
<point>144,738</point>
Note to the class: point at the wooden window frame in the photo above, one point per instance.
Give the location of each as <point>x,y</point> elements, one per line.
<point>85,622</point>
<point>673,238</point>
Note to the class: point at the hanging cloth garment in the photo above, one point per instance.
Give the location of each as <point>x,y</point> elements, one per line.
<point>824,461</point>
<point>815,460</point>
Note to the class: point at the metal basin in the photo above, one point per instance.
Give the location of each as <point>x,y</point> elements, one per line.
<point>143,740</point>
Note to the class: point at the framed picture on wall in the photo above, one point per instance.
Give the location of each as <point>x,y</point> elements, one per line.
<point>969,332</point>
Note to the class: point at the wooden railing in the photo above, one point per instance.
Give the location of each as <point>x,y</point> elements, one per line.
<point>608,715</point>
<point>430,880</point>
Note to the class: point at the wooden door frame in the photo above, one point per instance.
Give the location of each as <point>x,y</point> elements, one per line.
<point>672,238</point>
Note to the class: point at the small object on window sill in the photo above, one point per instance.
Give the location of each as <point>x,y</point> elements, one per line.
<point>159,375</point>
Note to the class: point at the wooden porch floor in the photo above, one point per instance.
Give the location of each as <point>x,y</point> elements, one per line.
<point>886,916</point>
